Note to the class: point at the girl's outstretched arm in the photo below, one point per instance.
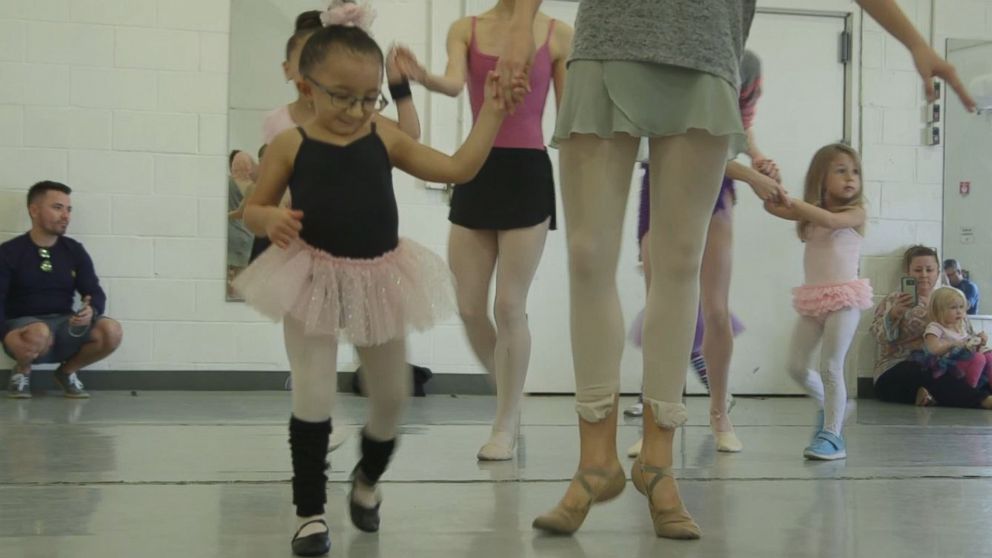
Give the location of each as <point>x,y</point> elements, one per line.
<point>853,218</point>
<point>433,166</point>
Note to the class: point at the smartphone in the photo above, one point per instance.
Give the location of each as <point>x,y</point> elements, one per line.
<point>908,286</point>
<point>82,308</point>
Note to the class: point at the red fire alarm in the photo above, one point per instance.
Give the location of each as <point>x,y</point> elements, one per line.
<point>964,188</point>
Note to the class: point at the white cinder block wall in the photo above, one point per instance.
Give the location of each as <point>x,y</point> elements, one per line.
<point>126,101</point>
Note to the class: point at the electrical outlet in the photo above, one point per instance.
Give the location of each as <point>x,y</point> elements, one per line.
<point>931,135</point>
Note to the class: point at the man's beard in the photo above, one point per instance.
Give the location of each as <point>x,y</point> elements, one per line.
<point>57,230</point>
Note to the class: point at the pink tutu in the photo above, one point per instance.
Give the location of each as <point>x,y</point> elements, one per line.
<point>365,301</point>
<point>817,300</point>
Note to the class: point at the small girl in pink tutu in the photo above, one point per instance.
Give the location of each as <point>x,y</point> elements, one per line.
<point>831,223</point>
<point>338,270</point>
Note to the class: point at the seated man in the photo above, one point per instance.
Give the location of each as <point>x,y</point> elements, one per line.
<point>40,272</point>
<point>956,276</point>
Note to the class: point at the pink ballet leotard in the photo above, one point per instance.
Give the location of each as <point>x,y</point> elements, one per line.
<point>276,122</point>
<point>831,266</point>
<point>522,129</point>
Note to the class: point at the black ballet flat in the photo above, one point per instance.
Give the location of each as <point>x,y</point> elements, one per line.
<point>364,519</point>
<point>317,544</point>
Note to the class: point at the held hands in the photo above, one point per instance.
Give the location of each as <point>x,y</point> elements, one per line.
<point>768,183</point>
<point>930,65</point>
<point>768,168</point>
<point>770,191</point>
<point>84,316</point>
<point>508,94</point>
<point>520,86</point>
<point>284,226</point>
<point>406,64</point>
<point>514,61</point>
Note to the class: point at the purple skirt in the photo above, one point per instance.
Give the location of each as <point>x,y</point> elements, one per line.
<point>644,212</point>
<point>643,220</point>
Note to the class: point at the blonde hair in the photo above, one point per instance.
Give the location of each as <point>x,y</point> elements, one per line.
<point>941,299</point>
<point>814,192</point>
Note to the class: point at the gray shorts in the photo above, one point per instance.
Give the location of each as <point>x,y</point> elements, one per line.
<point>67,343</point>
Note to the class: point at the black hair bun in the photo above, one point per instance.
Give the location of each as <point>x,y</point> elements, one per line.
<point>308,20</point>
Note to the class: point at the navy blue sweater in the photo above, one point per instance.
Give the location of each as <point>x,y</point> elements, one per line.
<point>27,290</point>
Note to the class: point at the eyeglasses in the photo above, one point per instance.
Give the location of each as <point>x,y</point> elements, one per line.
<point>46,259</point>
<point>347,102</point>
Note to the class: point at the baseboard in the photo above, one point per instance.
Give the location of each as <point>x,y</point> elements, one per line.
<point>270,380</point>
<point>235,380</point>
<point>866,388</point>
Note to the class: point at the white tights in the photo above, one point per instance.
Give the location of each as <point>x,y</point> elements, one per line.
<point>826,383</point>
<point>685,178</point>
<point>386,378</point>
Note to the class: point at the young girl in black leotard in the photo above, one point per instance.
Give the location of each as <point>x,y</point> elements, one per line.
<point>338,269</point>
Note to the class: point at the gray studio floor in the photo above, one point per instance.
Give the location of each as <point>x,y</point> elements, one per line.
<point>205,474</point>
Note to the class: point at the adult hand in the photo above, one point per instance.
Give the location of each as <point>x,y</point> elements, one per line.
<point>514,60</point>
<point>393,74</point>
<point>84,316</point>
<point>17,345</point>
<point>930,65</point>
<point>519,91</point>
<point>770,191</point>
<point>768,168</point>
<point>408,65</point>
<point>900,305</point>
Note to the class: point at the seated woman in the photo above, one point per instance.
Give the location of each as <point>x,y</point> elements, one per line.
<point>898,326</point>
